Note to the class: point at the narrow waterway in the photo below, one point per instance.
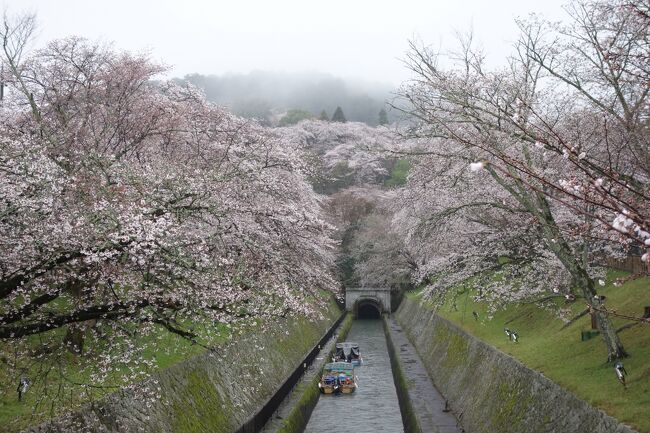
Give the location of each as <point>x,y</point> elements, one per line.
<point>374,406</point>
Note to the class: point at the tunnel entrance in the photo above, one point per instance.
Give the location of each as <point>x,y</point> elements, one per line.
<point>368,310</point>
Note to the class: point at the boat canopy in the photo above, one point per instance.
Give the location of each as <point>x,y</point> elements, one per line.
<point>347,350</point>
<point>339,366</point>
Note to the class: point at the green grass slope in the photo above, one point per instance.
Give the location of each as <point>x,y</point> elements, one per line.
<point>55,392</point>
<point>45,399</point>
<point>547,346</point>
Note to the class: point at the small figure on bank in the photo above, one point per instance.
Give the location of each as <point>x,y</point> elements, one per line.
<point>514,336</point>
<point>475,314</point>
<point>508,333</point>
<point>23,385</point>
<point>620,373</point>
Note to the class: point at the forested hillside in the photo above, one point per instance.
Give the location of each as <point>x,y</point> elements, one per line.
<point>267,96</point>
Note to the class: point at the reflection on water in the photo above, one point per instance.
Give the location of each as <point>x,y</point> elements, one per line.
<point>373,407</point>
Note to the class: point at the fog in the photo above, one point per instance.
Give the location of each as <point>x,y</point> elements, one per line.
<point>261,58</point>
<point>268,95</point>
<point>350,39</point>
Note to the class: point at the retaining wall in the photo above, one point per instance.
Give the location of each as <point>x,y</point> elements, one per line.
<point>210,393</point>
<point>491,392</point>
<point>309,393</point>
<point>409,417</point>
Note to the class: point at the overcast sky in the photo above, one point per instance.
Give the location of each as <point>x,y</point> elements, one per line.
<point>361,39</point>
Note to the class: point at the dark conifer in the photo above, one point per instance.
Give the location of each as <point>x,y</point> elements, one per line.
<point>383,117</point>
<point>338,115</point>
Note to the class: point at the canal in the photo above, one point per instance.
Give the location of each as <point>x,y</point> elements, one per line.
<point>374,406</point>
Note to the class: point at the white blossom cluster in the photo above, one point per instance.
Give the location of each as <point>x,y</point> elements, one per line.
<point>350,153</point>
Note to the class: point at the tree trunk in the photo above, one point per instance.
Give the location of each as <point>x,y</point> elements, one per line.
<point>537,204</point>
<point>581,279</point>
<point>615,349</point>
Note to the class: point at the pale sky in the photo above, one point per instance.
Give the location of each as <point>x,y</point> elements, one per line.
<point>351,39</point>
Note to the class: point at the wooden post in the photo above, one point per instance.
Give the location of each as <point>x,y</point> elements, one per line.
<point>594,323</point>
<point>599,303</point>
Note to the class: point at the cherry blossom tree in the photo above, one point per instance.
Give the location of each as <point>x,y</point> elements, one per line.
<point>370,254</point>
<point>349,163</point>
<point>344,154</point>
<point>466,231</point>
<point>381,257</point>
<point>598,62</point>
<point>553,131</point>
<point>130,204</point>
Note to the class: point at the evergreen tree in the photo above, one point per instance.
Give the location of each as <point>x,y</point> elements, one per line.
<point>324,116</point>
<point>338,115</point>
<point>383,117</point>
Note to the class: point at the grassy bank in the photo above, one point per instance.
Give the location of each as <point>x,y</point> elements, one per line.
<point>546,345</point>
<point>63,382</point>
<point>57,385</point>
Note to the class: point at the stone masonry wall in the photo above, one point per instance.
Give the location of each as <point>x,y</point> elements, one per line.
<point>491,392</point>
<point>204,394</point>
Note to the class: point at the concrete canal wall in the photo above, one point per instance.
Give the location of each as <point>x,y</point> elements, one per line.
<point>205,394</point>
<point>491,392</point>
<point>305,396</point>
<point>409,416</point>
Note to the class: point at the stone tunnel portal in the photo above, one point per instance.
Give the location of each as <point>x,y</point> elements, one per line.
<point>368,302</point>
<point>367,309</point>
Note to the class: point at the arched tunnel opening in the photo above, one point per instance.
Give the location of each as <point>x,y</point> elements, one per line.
<point>368,310</point>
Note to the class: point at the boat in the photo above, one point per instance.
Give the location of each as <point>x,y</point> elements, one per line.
<point>348,352</point>
<point>338,377</point>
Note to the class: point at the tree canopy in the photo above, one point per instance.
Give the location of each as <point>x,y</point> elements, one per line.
<point>130,204</point>
<point>541,186</point>
<point>294,116</point>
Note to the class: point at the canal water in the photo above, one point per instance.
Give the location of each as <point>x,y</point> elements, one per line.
<point>374,406</point>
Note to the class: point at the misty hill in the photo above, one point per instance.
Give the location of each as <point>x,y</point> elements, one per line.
<point>268,95</point>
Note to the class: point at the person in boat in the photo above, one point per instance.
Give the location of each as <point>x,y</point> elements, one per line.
<point>344,379</point>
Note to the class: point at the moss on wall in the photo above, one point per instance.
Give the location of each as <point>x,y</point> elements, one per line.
<point>409,417</point>
<point>213,393</point>
<point>510,409</point>
<point>204,415</point>
<point>299,415</point>
<point>345,328</point>
<point>298,418</point>
<point>489,391</point>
